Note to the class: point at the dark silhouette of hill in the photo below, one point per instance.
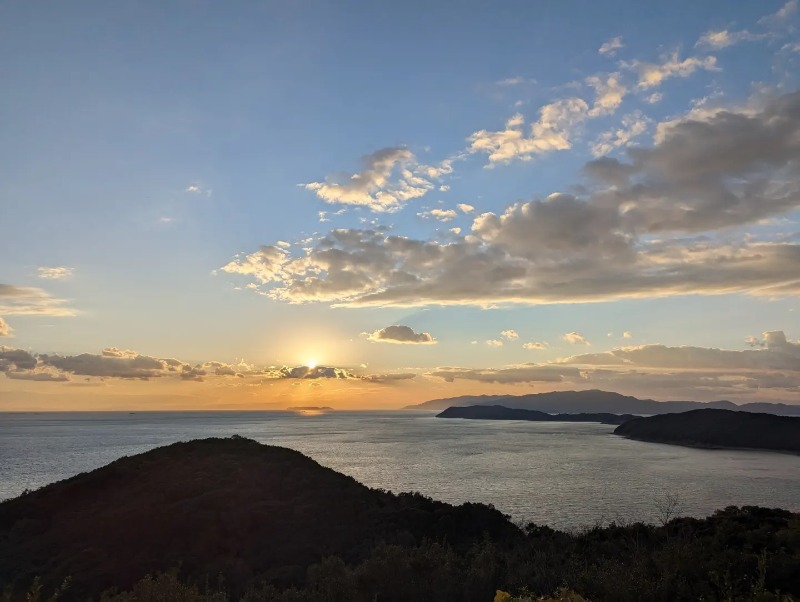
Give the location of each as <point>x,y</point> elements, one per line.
<point>717,428</point>
<point>216,506</point>
<point>503,413</point>
<point>594,401</point>
<point>261,523</point>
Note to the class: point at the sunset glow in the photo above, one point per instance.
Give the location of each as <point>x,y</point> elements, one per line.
<point>382,224</point>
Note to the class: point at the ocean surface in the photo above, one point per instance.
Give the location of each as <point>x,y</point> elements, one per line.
<point>566,475</point>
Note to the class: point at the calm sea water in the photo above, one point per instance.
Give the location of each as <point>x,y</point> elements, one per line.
<point>561,474</point>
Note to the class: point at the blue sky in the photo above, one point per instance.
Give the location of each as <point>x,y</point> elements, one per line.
<point>150,149</point>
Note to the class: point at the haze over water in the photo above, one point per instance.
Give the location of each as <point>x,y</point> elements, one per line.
<point>560,474</point>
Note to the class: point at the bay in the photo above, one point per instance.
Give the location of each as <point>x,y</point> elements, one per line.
<point>566,475</point>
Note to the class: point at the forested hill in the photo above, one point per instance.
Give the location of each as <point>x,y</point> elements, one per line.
<point>216,506</point>
<point>717,428</point>
<point>226,520</point>
<point>592,401</point>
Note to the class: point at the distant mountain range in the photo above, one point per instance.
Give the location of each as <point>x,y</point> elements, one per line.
<point>595,401</point>
<point>504,413</point>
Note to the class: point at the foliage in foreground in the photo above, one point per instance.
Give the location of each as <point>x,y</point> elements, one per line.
<point>738,554</point>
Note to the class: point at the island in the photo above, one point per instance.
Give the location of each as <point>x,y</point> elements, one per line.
<point>717,429</point>
<point>503,413</point>
<point>230,519</point>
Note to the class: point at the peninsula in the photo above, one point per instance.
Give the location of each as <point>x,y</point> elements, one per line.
<point>717,429</point>
<point>498,412</point>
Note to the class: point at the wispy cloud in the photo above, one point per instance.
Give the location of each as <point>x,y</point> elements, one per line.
<point>611,47</point>
<point>55,273</point>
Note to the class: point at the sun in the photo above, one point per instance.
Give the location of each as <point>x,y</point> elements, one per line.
<point>311,364</point>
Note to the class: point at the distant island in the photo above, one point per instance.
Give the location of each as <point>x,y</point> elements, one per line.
<point>310,409</point>
<point>596,401</point>
<point>497,412</point>
<point>224,520</point>
<point>717,429</point>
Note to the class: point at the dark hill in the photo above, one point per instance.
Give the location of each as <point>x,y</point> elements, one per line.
<point>216,506</point>
<point>594,401</point>
<point>503,413</point>
<point>717,428</point>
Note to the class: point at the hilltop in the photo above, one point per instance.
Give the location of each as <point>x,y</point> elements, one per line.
<point>717,428</point>
<point>216,506</point>
<point>596,401</point>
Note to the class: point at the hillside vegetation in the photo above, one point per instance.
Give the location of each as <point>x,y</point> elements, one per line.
<point>717,428</point>
<point>231,519</point>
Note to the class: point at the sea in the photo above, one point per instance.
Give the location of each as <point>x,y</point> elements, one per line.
<point>565,475</point>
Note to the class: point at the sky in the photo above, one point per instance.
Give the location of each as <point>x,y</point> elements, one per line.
<point>261,205</point>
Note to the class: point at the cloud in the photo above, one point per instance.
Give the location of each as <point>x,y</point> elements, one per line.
<point>575,338</point>
<point>390,177</point>
<point>535,345</point>
<point>609,93</point>
<point>43,375</point>
<point>465,208</point>
<point>390,378</point>
<point>29,301</point>
<point>399,334</point>
<point>610,47</point>
<point>723,38</point>
<point>509,335</point>
<point>633,125</point>
<point>777,354</point>
<point>655,225</point>
<point>653,74</point>
<point>55,273</point>
<point>627,335</point>
<point>443,215</point>
<point>15,359</point>
<point>552,132</point>
<point>525,373</point>
<point>654,98</point>
<point>494,343</point>
<point>5,329</point>
<point>782,17</point>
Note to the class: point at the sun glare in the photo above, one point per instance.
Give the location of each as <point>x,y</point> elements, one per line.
<point>311,364</point>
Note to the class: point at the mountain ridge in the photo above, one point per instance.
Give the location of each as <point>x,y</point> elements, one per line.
<point>598,401</point>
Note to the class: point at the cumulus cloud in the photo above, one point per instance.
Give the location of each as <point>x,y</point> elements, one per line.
<point>15,359</point>
<point>654,225</point>
<point>5,329</point>
<point>30,301</point>
<point>494,343</point>
<point>551,132</point>
<point>627,334</point>
<point>399,334</point>
<point>575,338</point>
<point>778,354</point>
<point>442,215</point>
<point>609,94</point>
<point>55,273</point>
<point>633,125</point>
<point>610,47</point>
<point>535,345</point>
<point>652,75</point>
<point>465,208</point>
<point>509,335</point>
<point>389,178</point>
